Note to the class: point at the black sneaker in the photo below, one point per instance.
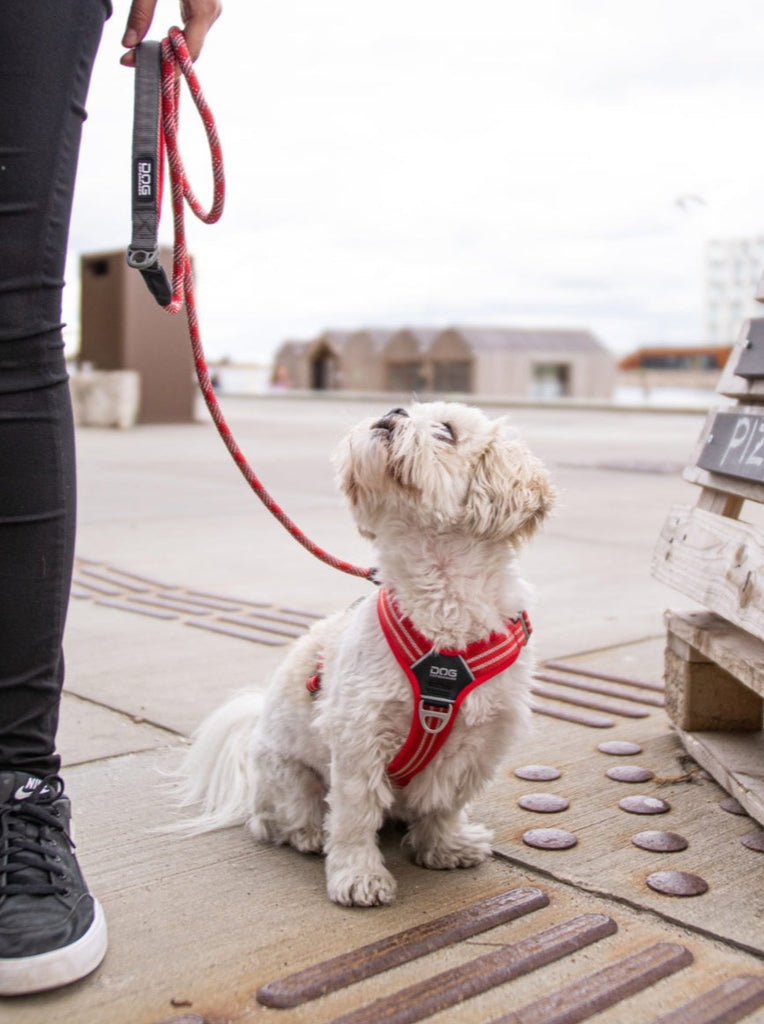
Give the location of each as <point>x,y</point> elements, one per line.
<point>52,931</point>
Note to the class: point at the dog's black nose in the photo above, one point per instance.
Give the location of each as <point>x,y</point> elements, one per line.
<point>388,420</point>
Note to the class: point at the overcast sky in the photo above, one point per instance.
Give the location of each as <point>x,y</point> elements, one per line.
<point>427,162</point>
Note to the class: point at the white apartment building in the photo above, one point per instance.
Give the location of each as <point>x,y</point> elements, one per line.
<point>733,271</point>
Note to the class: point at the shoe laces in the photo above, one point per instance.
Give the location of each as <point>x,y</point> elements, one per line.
<point>30,862</point>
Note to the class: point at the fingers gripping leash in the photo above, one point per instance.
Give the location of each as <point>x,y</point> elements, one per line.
<point>159,69</point>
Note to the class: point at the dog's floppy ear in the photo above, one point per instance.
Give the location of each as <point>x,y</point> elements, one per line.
<point>509,494</point>
<point>358,497</point>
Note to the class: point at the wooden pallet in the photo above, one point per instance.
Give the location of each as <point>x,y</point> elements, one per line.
<point>715,655</point>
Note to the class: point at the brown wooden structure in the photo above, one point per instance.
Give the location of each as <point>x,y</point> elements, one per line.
<point>123,328</point>
<point>715,654</point>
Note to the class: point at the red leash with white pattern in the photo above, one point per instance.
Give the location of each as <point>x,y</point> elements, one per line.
<point>176,62</point>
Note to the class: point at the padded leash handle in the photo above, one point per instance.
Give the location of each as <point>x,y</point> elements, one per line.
<point>147,171</point>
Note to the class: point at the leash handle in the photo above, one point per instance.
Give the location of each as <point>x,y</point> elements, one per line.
<point>147,172</point>
<point>159,69</point>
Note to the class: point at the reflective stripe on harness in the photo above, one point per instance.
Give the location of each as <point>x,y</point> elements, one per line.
<point>440,680</point>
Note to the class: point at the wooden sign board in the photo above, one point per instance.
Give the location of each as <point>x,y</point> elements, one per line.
<point>734,445</point>
<point>715,561</point>
<point>743,374</point>
<point>750,363</point>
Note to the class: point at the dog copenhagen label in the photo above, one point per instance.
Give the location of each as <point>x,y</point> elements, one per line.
<point>441,676</point>
<point>144,181</point>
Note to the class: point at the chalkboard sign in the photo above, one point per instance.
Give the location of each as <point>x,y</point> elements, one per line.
<point>751,361</point>
<point>735,445</point>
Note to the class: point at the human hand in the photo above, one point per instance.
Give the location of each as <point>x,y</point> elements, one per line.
<point>197,16</point>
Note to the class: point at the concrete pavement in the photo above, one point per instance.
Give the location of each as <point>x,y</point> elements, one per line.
<point>181,573</point>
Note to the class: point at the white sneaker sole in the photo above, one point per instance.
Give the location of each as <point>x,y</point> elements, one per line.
<point>58,967</point>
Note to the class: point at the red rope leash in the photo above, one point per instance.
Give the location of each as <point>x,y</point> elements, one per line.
<point>176,62</point>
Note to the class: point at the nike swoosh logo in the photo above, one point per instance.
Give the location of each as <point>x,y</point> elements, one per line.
<point>23,793</point>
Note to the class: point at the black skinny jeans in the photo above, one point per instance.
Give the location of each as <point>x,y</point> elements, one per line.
<point>47,49</point>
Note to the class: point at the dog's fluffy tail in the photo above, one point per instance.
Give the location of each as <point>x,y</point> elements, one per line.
<point>218,775</point>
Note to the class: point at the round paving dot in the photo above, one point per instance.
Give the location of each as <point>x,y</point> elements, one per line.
<point>549,838</point>
<point>544,803</point>
<point>629,773</point>
<point>644,805</point>
<point>538,773</point>
<point>620,748</point>
<point>660,842</point>
<point>754,841</point>
<point>677,883</point>
<point>731,806</point>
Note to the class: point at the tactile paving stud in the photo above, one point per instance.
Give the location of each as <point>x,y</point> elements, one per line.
<point>732,806</point>
<point>452,987</point>
<point>729,1002</point>
<point>619,748</point>
<point>677,883</point>
<point>185,1018</point>
<point>581,670</point>
<point>549,838</point>
<point>587,996</point>
<point>366,961</point>
<point>644,805</point>
<point>543,803</point>
<point>629,773</point>
<point>754,841</point>
<point>660,842</point>
<point>537,772</point>
<point>580,717</point>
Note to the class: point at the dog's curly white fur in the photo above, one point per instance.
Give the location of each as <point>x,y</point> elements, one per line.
<point>446,495</point>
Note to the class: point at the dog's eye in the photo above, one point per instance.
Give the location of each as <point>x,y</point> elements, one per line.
<point>445,432</point>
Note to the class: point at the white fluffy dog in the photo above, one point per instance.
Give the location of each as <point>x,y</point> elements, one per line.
<point>446,495</point>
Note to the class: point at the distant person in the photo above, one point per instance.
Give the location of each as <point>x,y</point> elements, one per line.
<point>280,379</point>
<point>52,931</point>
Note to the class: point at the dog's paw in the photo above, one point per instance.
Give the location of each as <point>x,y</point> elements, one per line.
<point>307,840</point>
<point>361,890</point>
<point>465,849</point>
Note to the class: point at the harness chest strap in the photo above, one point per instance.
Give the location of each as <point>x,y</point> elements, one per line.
<point>440,680</point>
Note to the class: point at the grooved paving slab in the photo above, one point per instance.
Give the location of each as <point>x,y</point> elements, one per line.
<point>400,948</point>
<point>587,697</point>
<point>451,988</point>
<point>597,992</point>
<point>198,925</point>
<point>731,1001</point>
<point>125,591</point>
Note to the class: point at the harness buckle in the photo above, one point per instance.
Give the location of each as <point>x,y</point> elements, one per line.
<point>441,712</point>
<point>524,624</point>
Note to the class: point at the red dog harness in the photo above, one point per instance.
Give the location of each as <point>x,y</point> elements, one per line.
<point>440,680</point>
